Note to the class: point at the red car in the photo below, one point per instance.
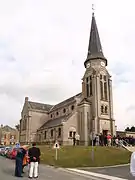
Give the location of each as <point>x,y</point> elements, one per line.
<point>12,154</point>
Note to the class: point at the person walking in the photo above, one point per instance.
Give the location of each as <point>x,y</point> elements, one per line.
<point>34,159</point>
<point>25,156</point>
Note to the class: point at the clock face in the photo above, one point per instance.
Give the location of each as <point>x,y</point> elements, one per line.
<point>88,65</point>
<point>102,64</point>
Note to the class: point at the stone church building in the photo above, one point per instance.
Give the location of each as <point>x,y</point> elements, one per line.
<point>90,111</point>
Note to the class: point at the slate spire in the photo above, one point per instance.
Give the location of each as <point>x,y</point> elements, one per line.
<point>94,49</point>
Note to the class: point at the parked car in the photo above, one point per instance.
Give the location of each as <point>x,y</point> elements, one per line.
<point>8,153</point>
<point>7,149</point>
<point>2,151</point>
<point>12,153</point>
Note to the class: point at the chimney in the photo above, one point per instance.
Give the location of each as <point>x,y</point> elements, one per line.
<point>26,99</point>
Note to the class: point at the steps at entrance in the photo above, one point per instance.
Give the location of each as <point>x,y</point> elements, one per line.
<point>130,148</point>
<point>127,146</point>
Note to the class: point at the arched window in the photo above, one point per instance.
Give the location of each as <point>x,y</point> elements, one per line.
<point>89,86</point>
<point>106,110</point>
<point>105,90</point>
<point>59,132</point>
<point>64,110</point>
<point>102,109</point>
<point>72,107</point>
<point>101,89</point>
<point>57,113</point>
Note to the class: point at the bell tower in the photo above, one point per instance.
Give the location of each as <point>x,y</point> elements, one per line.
<point>97,87</point>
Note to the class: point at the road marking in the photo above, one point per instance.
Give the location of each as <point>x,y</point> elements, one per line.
<point>115,166</point>
<point>96,174</point>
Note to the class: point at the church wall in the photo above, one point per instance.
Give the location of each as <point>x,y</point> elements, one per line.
<point>48,139</point>
<point>70,126</point>
<point>84,123</point>
<point>105,125</point>
<point>36,120</point>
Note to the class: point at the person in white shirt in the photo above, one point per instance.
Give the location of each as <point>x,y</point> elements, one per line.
<point>77,137</point>
<point>132,164</point>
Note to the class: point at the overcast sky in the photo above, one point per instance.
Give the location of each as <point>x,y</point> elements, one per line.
<point>43,46</point>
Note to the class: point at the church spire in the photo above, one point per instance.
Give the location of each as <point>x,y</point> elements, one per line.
<point>94,49</point>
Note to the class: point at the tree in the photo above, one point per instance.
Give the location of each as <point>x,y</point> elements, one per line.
<point>132,129</point>
<point>127,129</point>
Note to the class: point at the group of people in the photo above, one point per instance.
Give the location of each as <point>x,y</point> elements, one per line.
<point>108,140</point>
<point>27,156</point>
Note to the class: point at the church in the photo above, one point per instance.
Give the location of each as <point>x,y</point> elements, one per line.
<point>88,112</point>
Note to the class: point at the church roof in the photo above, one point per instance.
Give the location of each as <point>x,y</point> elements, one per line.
<point>65,102</point>
<point>55,122</point>
<point>40,106</point>
<point>95,48</point>
<point>50,108</point>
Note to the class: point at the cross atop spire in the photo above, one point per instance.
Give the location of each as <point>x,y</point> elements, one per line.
<point>93,9</point>
<point>94,48</point>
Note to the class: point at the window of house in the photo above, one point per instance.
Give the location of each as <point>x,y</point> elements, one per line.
<point>51,132</point>
<point>59,132</point>
<point>64,110</point>
<point>45,135</point>
<point>51,115</point>
<point>70,134</point>
<point>57,113</point>
<point>106,109</point>
<point>102,109</point>
<point>72,107</point>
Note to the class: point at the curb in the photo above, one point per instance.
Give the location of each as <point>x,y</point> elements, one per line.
<point>96,175</point>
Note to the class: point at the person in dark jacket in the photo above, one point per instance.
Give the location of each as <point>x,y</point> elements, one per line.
<point>18,163</point>
<point>34,159</point>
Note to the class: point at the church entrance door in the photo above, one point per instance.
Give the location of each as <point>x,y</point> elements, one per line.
<point>105,132</point>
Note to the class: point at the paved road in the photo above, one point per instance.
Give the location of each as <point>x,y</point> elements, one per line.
<point>122,171</point>
<point>46,173</point>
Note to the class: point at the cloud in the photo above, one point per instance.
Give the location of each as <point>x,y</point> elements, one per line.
<point>43,46</point>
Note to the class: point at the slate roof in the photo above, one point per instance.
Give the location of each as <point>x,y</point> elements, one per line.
<point>40,106</point>
<point>65,102</point>
<point>55,122</point>
<point>94,49</point>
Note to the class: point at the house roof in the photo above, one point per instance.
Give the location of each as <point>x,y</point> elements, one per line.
<point>40,106</point>
<point>8,128</point>
<point>65,102</point>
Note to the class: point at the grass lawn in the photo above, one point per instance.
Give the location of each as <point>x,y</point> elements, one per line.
<point>81,156</point>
